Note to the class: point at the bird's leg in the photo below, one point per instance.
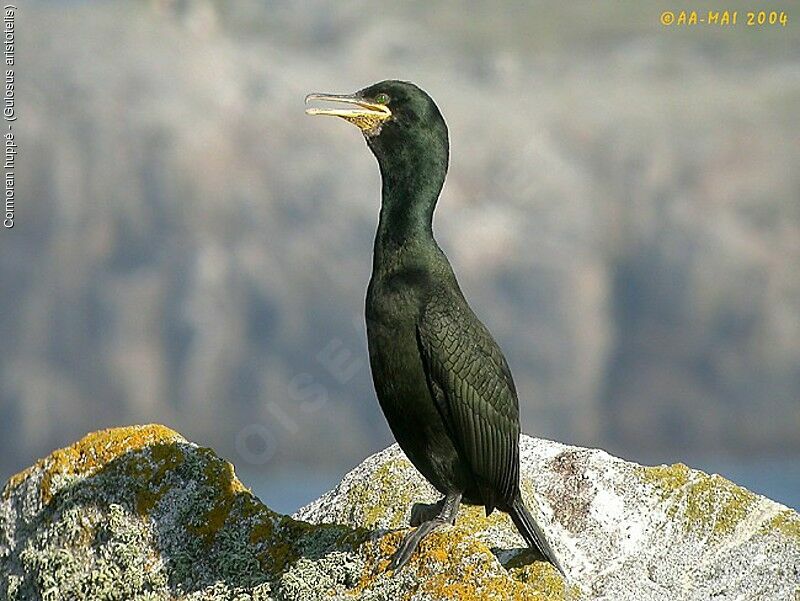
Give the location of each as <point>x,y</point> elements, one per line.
<point>424,512</point>
<point>446,515</point>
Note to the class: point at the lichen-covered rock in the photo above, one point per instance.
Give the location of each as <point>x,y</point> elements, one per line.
<point>139,513</point>
<point>622,531</point>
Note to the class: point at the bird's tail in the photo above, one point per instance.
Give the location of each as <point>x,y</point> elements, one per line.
<point>531,532</point>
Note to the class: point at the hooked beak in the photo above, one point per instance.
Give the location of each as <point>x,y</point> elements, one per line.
<point>368,116</point>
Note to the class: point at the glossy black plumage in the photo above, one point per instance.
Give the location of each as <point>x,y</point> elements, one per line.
<point>473,390</point>
<point>440,378</point>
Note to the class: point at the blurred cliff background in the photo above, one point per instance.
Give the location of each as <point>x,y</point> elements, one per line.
<point>623,210</point>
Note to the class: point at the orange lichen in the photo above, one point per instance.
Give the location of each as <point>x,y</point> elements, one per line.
<point>471,573</point>
<point>452,565</point>
<point>218,475</point>
<point>92,452</point>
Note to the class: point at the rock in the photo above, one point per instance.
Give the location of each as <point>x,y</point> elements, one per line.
<point>622,530</point>
<point>141,514</point>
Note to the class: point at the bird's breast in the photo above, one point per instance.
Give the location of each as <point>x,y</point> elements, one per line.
<point>392,311</point>
<point>393,300</point>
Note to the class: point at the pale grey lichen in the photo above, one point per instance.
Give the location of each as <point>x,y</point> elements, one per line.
<point>622,531</point>
<point>134,513</point>
<point>141,514</point>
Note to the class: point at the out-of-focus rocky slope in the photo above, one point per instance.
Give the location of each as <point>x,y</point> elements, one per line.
<point>622,211</point>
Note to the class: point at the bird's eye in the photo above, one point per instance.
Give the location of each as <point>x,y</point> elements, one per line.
<point>382,98</point>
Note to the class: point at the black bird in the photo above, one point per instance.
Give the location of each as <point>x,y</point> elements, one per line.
<point>441,379</point>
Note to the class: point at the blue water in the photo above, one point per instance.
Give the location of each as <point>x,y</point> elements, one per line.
<point>288,491</point>
<point>778,479</point>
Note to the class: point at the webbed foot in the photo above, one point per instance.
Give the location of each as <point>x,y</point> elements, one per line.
<point>447,511</point>
<point>425,512</point>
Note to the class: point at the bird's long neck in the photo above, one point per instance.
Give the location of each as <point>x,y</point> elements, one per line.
<point>411,185</point>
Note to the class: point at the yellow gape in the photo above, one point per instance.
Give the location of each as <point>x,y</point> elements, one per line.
<point>368,117</point>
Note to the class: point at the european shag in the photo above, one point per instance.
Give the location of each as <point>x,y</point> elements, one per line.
<point>440,378</point>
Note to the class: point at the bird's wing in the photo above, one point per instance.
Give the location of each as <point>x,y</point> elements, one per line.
<point>475,394</point>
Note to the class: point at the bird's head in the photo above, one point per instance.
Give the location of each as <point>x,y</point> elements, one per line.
<point>396,117</point>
